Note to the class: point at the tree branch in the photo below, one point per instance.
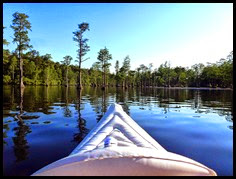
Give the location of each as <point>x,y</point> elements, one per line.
<point>85,59</point>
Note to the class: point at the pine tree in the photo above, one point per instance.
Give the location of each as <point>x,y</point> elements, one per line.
<point>83,48</point>
<point>21,25</point>
<point>103,58</point>
<point>66,61</point>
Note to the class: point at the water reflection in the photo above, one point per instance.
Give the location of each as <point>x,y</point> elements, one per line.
<point>67,111</point>
<point>5,130</point>
<point>41,99</point>
<point>83,131</point>
<point>100,101</point>
<point>96,103</point>
<point>123,96</point>
<point>202,101</point>
<point>56,104</point>
<point>20,142</point>
<point>104,106</point>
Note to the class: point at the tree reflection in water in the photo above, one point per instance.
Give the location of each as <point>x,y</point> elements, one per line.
<point>99,102</point>
<point>90,105</point>
<point>122,98</point>
<point>103,105</point>
<point>6,129</point>
<point>83,131</point>
<point>20,143</point>
<point>67,111</point>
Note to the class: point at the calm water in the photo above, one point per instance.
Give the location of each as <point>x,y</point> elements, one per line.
<point>194,123</point>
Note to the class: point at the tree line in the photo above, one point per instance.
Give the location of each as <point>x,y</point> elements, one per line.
<point>32,68</point>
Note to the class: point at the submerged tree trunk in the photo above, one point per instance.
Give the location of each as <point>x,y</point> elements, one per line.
<point>104,105</point>
<point>83,131</point>
<point>21,100</point>
<point>21,105</point>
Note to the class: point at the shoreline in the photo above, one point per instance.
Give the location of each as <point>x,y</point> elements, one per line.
<point>195,88</point>
<point>157,87</point>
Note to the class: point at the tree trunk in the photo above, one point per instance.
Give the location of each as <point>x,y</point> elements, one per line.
<point>79,86</point>
<point>47,81</point>
<point>21,74</point>
<point>126,85</point>
<point>67,95</point>
<point>104,79</point>
<point>13,80</point>
<point>67,76</point>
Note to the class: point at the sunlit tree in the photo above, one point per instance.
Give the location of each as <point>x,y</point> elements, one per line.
<point>66,62</point>
<point>83,47</point>
<point>21,26</point>
<point>103,58</point>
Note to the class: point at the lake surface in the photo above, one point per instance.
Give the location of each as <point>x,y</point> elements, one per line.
<point>191,122</point>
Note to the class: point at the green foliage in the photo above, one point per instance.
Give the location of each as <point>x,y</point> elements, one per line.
<point>29,68</point>
<point>103,61</point>
<point>124,70</point>
<point>66,62</point>
<point>13,67</point>
<point>6,79</point>
<point>103,58</point>
<point>117,67</point>
<point>83,47</point>
<point>21,25</point>
<point>6,61</point>
<point>28,81</point>
<point>41,70</point>
<point>5,42</point>
<point>126,66</point>
<point>182,79</point>
<point>82,42</point>
<point>95,74</point>
<point>219,74</point>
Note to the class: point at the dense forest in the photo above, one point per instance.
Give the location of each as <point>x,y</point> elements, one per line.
<point>34,68</point>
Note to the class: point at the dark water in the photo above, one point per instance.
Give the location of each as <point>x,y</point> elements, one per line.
<point>194,123</point>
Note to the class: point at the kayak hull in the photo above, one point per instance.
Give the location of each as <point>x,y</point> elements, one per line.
<point>118,146</point>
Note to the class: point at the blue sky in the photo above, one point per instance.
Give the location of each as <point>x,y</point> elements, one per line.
<point>182,33</point>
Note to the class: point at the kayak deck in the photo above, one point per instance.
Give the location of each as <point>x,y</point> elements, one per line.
<point>117,145</point>
<point>117,125</point>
